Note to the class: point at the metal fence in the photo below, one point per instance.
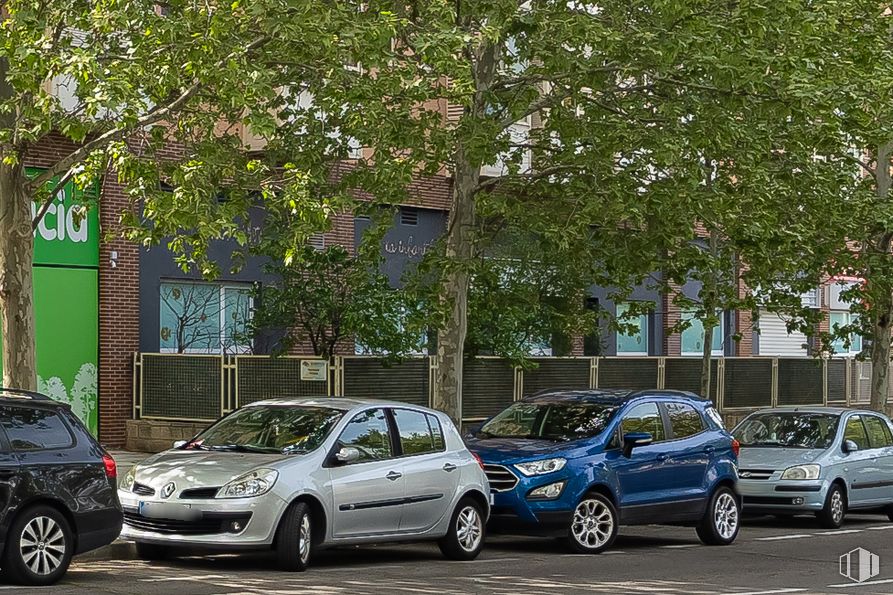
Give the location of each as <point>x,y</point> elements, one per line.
<point>204,387</point>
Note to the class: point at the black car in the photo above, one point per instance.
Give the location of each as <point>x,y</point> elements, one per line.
<point>58,492</point>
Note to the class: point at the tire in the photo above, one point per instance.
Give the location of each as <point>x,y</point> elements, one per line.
<point>465,537</point>
<point>39,547</point>
<point>722,521</point>
<point>889,512</point>
<point>151,551</point>
<point>593,526</point>
<point>833,513</point>
<point>294,539</point>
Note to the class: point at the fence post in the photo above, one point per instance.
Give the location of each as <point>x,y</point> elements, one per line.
<point>848,380</point>
<point>518,386</point>
<point>720,383</point>
<point>774,391</point>
<point>137,384</point>
<point>593,372</point>
<point>432,382</point>
<point>825,381</point>
<point>661,373</point>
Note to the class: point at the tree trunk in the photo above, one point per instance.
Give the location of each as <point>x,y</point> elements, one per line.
<point>460,248</point>
<point>880,350</point>
<point>16,281</point>
<point>706,361</point>
<point>881,307</point>
<point>459,252</point>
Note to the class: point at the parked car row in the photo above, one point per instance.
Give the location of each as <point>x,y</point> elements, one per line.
<point>297,475</point>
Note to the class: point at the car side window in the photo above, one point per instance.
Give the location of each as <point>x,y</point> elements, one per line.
<point>855,431</point>
<point>436,432</point>
<point>416,435</point>
<point>644,418</point>
<point>878,432</point>
<point>31,429</point>
<point>684,420</point>
<point>368,432</point>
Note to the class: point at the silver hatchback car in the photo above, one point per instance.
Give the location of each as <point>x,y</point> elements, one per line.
<point>820,460</point>
<point>294,475</point>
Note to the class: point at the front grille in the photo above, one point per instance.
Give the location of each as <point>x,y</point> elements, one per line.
<point>501,479</point>
<point>200,493</point>
<point>209,524</point>
<point>755,473</point>
<point>142,489</point>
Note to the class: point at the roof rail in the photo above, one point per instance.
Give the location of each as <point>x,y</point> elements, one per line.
<point>22,393</point>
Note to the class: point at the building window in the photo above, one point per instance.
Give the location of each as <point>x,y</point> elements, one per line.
<point>693,336</point>
<point>840,320</point>
<point>632,340</point>
<point>204,317</point>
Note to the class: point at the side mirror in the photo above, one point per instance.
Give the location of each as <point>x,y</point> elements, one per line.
<point>850,446</point>
<point>633,440</point>
<point>180,443</point>
<point>347,454</point>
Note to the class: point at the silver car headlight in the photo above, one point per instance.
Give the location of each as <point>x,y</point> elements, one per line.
<point>126,482</point>
<point>254,483</point>
<point>541,467</point>
<point>802,472</point>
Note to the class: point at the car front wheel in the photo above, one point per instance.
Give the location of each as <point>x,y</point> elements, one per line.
<point>38,547</point>
<point>722,520</point>
<point>294,540</point>
<point>834,511</point>
<point>465,537</point>
<point>593,526</point>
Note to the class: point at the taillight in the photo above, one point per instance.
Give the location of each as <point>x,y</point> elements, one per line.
<point>111,468</point>
<point>478,459</point>
<point>736,447</point>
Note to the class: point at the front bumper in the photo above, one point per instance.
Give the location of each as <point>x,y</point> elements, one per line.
<point>513,513</point>
<point>257,517</point>
<point>775,495</point>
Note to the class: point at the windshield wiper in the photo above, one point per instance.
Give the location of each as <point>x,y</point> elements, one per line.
<point>246,448</point>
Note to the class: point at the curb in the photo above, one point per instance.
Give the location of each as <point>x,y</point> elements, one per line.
<point>117,550</point>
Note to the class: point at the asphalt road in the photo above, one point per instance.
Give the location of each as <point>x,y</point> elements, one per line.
<point>770,556</point>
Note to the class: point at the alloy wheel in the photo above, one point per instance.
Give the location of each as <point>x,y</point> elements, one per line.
<point>593,524</point>
<point>837,506</point>
<point>304,539</point>
<point>42,545</point>
<point>725,515</point>
<point>469,528</point>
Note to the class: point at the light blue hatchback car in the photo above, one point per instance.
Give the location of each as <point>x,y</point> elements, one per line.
<point>820,460</point>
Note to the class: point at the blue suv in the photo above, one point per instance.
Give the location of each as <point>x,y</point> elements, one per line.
<point>581,463</point>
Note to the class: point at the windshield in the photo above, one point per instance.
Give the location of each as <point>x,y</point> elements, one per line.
<point>274,429</point>
<point>788,429</point>
<point>549,421</point>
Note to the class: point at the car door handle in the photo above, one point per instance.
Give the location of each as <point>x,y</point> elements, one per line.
<point>448,467</point>
<point>663,458</point>
<point>394,476</point>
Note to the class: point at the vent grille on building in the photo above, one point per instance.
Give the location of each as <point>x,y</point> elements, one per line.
<point>409,216</point>
<point>317,241</point>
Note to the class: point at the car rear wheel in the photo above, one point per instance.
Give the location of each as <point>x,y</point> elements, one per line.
<point>834,511</point>
<point>151,551</point>
<point>38,547</point>
<point>465,537</point>
<point>593,526</point>
<point>294,539</point>
<point>722,520</point>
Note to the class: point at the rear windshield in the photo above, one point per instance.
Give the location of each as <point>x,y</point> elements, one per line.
<point>558,421</point>
<point>788,429</point>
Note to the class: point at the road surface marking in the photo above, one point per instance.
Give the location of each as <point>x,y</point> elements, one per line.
<point>886,581</point>
<point>881,528</point>
<point>680,546</point>
<point>781,537</point>
<point>839,532</point>
<point>769,592</point>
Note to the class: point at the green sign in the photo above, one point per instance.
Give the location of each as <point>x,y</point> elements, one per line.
<point>67,235</point>
<point>66,303</point>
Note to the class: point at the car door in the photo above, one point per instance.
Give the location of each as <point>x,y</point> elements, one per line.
<point>690,452</point>
<point>881,460</point>
<point>367,493</point>
<point>9,477</point>
<point>640,477</point>
<point>860,473</point>
<point>430,473</point>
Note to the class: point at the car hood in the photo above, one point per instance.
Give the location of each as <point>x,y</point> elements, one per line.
<point>196,468</point>
<point>768,457</point>
<point>501,450</point>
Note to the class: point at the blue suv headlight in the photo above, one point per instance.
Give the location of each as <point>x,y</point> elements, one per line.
<point>547,492</point>
<point>541,467</point>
